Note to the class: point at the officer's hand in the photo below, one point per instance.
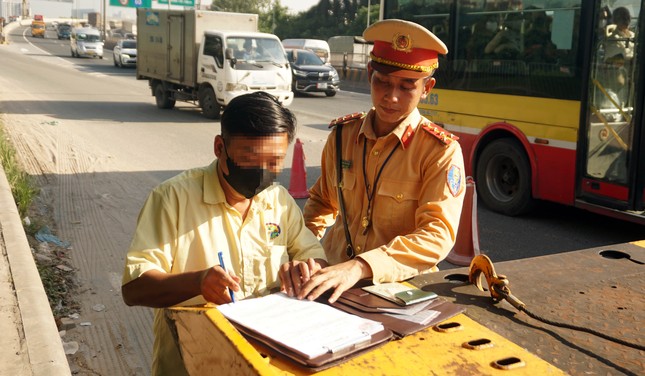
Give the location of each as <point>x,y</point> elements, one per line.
<point>294,274</point>
<point>339,277</point>
<point>215,280</point>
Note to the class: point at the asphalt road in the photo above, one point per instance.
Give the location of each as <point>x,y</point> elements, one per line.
<point>92,135</point>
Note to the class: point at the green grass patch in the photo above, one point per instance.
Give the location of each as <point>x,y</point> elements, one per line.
<point>53,266</point>
<point>22,186</point>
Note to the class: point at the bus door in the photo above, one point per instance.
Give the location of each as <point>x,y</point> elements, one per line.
<point>611,161</point>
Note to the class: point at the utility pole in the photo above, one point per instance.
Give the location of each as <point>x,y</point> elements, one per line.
<point>25,9</point>
<point>368,12</point>
<point>104,19</point>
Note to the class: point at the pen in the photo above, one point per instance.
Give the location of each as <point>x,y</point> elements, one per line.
<point>221,264</point>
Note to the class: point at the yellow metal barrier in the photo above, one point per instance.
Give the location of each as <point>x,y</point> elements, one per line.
<point>210,343</point>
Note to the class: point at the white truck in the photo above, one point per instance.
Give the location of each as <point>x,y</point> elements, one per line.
<point>208,58</point>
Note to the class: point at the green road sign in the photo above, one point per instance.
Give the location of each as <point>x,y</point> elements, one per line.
<point>184,3</point>
<point>132,3</point>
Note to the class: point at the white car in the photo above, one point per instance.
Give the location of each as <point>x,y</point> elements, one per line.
<point>125,53</point>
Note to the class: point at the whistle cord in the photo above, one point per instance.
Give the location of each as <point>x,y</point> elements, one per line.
<point>582,329</point>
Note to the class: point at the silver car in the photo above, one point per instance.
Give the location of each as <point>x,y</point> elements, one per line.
<point>125,53</point>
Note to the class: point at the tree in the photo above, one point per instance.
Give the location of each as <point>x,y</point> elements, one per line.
<point>324,20</point>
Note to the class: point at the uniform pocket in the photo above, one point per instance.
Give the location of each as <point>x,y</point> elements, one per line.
<point>349,181</point>
<point>396,204</point>
<point>277,256</point>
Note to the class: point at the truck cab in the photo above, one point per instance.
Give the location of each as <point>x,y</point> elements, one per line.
<point>235,63</point>
<point>38,29</point>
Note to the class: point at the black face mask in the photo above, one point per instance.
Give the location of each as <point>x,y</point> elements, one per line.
<point>248,181</point>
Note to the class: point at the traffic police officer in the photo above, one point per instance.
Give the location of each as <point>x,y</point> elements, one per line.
<point>402,176</point>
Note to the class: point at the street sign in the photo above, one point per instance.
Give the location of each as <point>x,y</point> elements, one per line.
<point>132,3</point>
<point>184,3</point>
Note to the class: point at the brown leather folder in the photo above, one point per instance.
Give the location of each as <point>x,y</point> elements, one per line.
<point>323,361</point>
<point>361,303</point>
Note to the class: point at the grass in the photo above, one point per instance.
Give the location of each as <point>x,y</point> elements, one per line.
<point>22,187</point>
<point>59,284</point>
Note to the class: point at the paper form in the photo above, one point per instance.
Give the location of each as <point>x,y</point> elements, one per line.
<point>309,328</point>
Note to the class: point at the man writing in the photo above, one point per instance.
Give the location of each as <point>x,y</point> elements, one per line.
<point>231,207</point>
<point>402,185</point>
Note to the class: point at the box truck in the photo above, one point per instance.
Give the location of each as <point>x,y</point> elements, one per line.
<point>208,58</point>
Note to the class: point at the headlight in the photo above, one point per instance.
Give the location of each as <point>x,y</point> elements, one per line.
<point>236,87</point>
<point>334,74</point>
<point>284,87</point>
<point>299,73</point>
<point>125,56</point>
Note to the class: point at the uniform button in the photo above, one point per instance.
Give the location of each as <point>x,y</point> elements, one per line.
<point>399,196</point>
<point>358,248</point>
<point>375,152</point>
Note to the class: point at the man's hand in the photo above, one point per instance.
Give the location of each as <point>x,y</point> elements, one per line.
<point>294,274</point>
<point>339,277</point>
<point>214,283</point>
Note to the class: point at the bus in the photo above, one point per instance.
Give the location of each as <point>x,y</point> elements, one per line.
<point>546,97</point>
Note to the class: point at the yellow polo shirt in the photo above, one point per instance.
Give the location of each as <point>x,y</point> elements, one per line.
<point>184,223</point>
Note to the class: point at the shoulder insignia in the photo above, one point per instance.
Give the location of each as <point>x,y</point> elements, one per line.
<point>441,134</point>
<point>347,118</point>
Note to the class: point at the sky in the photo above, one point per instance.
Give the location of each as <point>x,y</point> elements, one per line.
<point>55,9</point>
<point>298,5</point>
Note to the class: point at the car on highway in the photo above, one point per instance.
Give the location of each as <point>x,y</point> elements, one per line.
<point>125,53</point>
<point>86,41</point>
<point>64,31</point>
<point>310,74</point>
<point>318,46</point>
<point>38,29</point>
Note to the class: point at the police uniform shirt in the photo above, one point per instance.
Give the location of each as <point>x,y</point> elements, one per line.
<point>416,205</point>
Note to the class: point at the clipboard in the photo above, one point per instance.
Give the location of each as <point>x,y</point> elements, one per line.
<point>311,334</point>
<point>321,362</point>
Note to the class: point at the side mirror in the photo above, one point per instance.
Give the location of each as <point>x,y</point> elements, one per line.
<point>229,54</point>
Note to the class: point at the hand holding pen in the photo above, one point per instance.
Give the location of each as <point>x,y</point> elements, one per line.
<point>218,286</point>
<point>221,264</point>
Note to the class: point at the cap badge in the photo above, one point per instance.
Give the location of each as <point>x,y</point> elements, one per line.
<point>402,43</point>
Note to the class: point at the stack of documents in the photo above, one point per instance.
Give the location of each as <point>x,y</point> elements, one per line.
<point>306,327</point>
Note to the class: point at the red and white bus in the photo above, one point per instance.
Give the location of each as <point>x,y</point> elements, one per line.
<point>547,98</point>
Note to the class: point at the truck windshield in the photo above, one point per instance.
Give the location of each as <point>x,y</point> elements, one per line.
<point>255,49</point>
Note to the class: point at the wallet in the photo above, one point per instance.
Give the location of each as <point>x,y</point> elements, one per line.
<point>399,293</point>
<point>361,303</point>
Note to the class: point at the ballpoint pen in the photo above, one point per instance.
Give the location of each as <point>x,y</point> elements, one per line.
<point>221,264</point>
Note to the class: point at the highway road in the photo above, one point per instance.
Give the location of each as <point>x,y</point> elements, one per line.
<point>92,136</point>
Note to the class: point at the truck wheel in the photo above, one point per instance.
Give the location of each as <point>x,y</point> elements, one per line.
<point>162,98</point>
<point>504,178</point>
<point>208,103</point>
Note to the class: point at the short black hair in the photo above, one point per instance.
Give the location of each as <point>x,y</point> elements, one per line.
<point>257,114</point>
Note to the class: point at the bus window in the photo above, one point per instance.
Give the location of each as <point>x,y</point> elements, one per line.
<point>612,92</point>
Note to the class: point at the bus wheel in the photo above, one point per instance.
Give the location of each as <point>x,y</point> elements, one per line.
<point>504,178</point>
<point>162,97</point>
<point>208,103</point>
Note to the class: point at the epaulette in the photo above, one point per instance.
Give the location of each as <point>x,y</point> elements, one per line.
<point>347,118</point>
<point>441,134</point>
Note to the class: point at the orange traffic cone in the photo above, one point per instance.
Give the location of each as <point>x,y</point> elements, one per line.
<point>467,243</point>
<point>298,183</point>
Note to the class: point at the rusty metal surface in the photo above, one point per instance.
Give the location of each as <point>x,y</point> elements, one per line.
<point>580,288</point>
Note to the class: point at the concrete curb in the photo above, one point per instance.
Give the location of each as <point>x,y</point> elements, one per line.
<point>42,341</point>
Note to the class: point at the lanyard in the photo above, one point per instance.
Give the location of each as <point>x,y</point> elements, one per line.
<point>370,190</point>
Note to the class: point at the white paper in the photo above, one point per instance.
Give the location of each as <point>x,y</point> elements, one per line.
<point>309,328</point>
